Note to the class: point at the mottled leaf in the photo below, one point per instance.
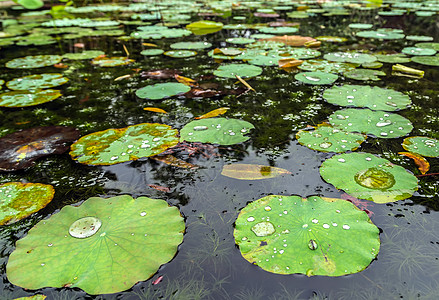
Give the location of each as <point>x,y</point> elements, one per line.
<point>252,171</point>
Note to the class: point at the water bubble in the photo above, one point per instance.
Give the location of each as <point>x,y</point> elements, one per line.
<point>200,128</point>
<point>326,226</point>
<point>342,160</point>
<point>325,145</point>
<point>250,219</point>
<point>143,213</point>
<point>263,229</point>
<point>383,134</point>
<point>315,221</point>
<point>312,244</point>
<point>85,227</point>
<point>114,157</point>
<point>384,123</point>
<point>375,178</point>
<point>267,208</point>
<point>345,226</point>
<point>350,97</point>
<point>311,78</point>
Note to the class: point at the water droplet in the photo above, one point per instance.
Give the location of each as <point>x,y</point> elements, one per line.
<point>285,212</point>
<point>384,123</point>
<point>337,211</point>
<point>85,227</point>
<point>390,103</point>
<point>430,143</point>
<point>334,224</point>
<point>350,97</point>
<point>315,221</point>
<point>114,157</point>
<point>200,128</point>
<point>383,134</point>
<point>267,208</point>
<point>312,244</point>
<point>325,145</point>
<point>231,133</point>
<point>311,78</point>
<point>263,229</point>
<point>326,226</point>
<point>190,133</point>
<point>50,245</point>
<point>244,239</point>
<point>368,158</point>
<point>342,160</point>
<point>341,117</point>
<point>375,178</point>
<point>281,251</point>
<point>143,213</point>
<point>43,265</point>
<point>346,226</point>
<point>250,219</point>
<point>304,225</point>
<point>156,139</point>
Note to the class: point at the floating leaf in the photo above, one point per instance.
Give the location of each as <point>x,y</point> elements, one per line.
<point>279,30</point>
<point>252,172</point>
<point>325,138</point>
<point>378,123</point>
<point>364,74</point>
<point>152,52</point>
<point>325,66</point>
<point>350,57</point>
<point>240,41</point>
<point>37,61</point>
<point>418,51</point>
<point>420,161</point>
<point>19,200</point>
<point>86,54</point>
<point>37,81</point>
<point>434,46</point>
<point>162,90</point>
<point>125,241</point>
<point>366,176</point>
<point>28,98</point>
<point>160,74</point>
<point>242,70</point>
<point>381,34</point>
<point>185,80</point>
<point>214,113</point>
<point>180,53</point>
<point>113,146</point>
<point>191,45</point>
<point>313,236</point>
<point>155,109</point>
<point>422,145</point>
<point>35,297</point>
<point>292,40</point>
<point>20,149</point>
<point>216,131</point>
<point>103,61</point>
<point>175,162</point>
<point>401,70</point>
<point>393,58</point>
<point>245,83</point>
<point>204,27</point>
<point>427,60</point>
<point>288,63</point>
<point>316,78</point>
<point>375,98</point>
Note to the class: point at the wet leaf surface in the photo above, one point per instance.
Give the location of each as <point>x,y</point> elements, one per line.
<point>37,61</point>
<point>28,98</point>
<point>422,145</point>
<point>252,171</point>
<point>162,90</point>
<point>38,81</point>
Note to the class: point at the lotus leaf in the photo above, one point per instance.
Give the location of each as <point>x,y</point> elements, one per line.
<point>28,98</point>
<point>220,131</point>
<point>360,26</point>
<point>325,66</point>
<point>364,74</point>
<point>353,58</point>
<point>240,41</point>
<point>263,60</point>
<point>37,81</point>
<point>20,200</point>
<point>419,38</point>
<point>312,236</point>
<point>204,27</point>
<point>418,51</point>
<point>375,98</point>
<point>372,65</point>
<point>162,90</point>
<point>113,146</point>
<point>316,78</point>
<point>20,149</point>
<point>125,241</point>
<point>377,123</point>
<point>152,52</point>
<point>381,34</point>
<point>328,139</point>
<point>252,171</point>
<point>31,4</point>
<point>397,58</point>
<point>426,60</point>
<point>191,45</point>
<point>261,36</point>
<point>103,61</point>
<point>333,39</point>
<point>242,70</point>
<point>37,61</point>
<point>422,145</point>
<point>279,30</point>
<point>303,53</point>
<point>434,46</point>
<point>366,176</point>
<point>180,53</point>
<point>86,54</point>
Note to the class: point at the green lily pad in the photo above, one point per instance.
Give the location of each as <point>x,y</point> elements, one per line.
<point>418,51</point>
<point>279,30</point>
<point>242,70</point>
<point>422,145</point>
<point>426,60</point>
<point>303,53</point>
<point>398,58</point>
<point>332,39</point>
<point>27,98</point>
<point>381,34</point>
<point>127,240</point>
<point>20,200</point>
<point>372,65</point>
<point>434,46</point>
<point>325,138</point>
<point>419,38</point>
<point>86,54</point>
<point>37,61</point>
<point>366,176</point>
<point>360,25</point>
<point>37,81</point>
<point>353,58</point>
<point>113,146</point>
<point>312,236</point>
<point>180,53</point>
<point>375,98</point>
<point>103,61</point>
<point>265,60</point>
<point>162,90</point>
<point>377,123</point>
<point>364,74</point>
<point>152,52</point>
<point>204,27</point>
<point>191,45</point>
<point>316,78</point>
<point>220,131</point>
<point>240,41</point>
<point>325,66</point>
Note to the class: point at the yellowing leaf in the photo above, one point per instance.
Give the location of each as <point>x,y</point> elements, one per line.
<point>122,77</point>
<point>252,172</point>
<point>155,109</point>
<point>287,63</point>
<point>245,83</point>
<point>420,161</point>
<point>149,44</point>
<point>126,50</point>
<point>175,162</point>
<point>214,113</point>
<point>185,80</point>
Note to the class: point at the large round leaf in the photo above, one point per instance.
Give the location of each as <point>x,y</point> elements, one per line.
<point>364,74</point>
<point>328,139</point>
<point>125,240</point>
<point>103,61</point>
<point>204,27</point>
<point>313,236</point>
<point>350,57</point>
<point>381,34</point>
<point>316,78</point>
<point>325,66</point>
<point>375,98</point>
<point>36,61</point>
<point>28,98</point>
<point>113,146</point>
<point>86,54</point>
<point>242,70</point>
<point>422,145</point>
<point>378,123</point>
<point>162,90</point>
<point>216,131</point>
<point>427,60</point>
<point>37,81</point>
<point>366,176</point>
<point>19,200</point>
<point>191,45</point>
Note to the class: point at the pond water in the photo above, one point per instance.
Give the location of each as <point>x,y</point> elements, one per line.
<point>208,264</point>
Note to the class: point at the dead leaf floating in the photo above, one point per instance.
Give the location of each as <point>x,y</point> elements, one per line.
<point>214,113</point>
<point>252,171</point>
<point>419,160</point>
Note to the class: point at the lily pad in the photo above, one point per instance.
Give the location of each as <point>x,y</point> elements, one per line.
<point>316,78</point>
<point>37,81</point>
<point>152,52</point>
<point>312,236</point>
<point>364,74</point>
<point>426,60</point>
<point>325,66</point>
<point>28,98</point>
<point>20,200</point>
<point>135,237</point>
<point>37,61</point>
<point>325,138</point>
<point>204,27</point>
<point>353,58</point>
<point>20,149</point>
<point>242,70</point>
<point>191,45</point>
<point>418,51</point>
<point>279,30</point>
<point>422,145</point>
<point>220,131</point>
<point>419,38</point>
<point>366,176</point>
<point>162,90</point>
<point>381,34</point>
<point>434,46</point>
<point>375,98</point>
<point>103,61</point>
<point>180,53</point>
<point>377,123</point>
<point>398,58</point>
<point>113,146</point>
<point>240,41</point>
<point>252,171</point>
<point>86,54</point>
